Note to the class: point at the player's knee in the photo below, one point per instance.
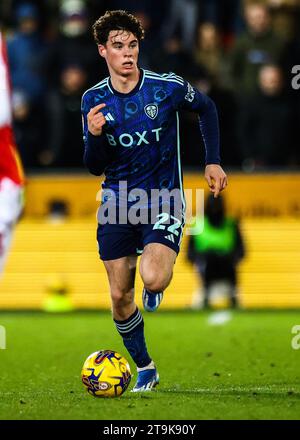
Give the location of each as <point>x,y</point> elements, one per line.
<point>121,298</point>
<point>156,282</point>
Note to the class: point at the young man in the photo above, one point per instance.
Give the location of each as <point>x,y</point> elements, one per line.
<point>11,174</point>
<point>131,132</point>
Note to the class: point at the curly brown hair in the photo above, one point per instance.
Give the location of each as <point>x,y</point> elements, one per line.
<point>116,20</point>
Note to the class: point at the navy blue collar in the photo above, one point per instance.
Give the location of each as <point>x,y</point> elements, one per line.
<point>133,91</point>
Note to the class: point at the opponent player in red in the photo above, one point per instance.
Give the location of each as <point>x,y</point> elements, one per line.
<point>11,173</point>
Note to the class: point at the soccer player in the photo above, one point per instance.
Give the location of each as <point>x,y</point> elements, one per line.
<point>131,133</point>
<point>11,174</point>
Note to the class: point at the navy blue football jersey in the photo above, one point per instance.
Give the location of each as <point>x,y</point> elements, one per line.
<point>141,136</point>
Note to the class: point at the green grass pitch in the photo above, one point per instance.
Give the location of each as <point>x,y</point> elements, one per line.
<point>242,369</point>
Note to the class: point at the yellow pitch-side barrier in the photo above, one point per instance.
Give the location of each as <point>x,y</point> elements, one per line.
<point>46,254</point>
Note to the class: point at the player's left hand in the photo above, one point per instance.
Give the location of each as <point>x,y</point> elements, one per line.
<point>216,179</point>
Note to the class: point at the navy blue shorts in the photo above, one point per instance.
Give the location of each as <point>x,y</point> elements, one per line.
<point>121,240</point>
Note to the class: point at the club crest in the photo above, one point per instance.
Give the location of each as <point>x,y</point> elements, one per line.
<point>151,110</point>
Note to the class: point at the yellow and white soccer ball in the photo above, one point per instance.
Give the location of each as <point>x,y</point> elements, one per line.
<point>106,373</point>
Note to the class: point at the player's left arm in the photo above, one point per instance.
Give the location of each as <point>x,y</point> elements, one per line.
<point>187,97</point>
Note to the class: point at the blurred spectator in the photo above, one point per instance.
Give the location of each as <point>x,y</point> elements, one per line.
<point>27,129</point>
<point>210,55</point>
<point>75,44</point>
<point>216,250</point>
<point>43,8</point>
<point>259,45</point>
<point>64,146</point>
<point>171,57</point>
<point>266,123</point>
<point>182,16</point>
<point>226,15</point>
<point>27,52</point>
<point>285,17</point>
<point>28,56</point>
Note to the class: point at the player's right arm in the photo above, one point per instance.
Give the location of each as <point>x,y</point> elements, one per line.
<point>96,120</point>
<point>96,155</point>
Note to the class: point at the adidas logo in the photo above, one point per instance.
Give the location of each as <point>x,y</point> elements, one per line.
<point>170,237</point>
<point>109,117</point>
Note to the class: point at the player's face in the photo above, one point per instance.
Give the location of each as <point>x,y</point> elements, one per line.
<point>121,52</point>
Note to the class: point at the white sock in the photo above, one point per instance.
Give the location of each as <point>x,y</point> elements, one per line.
<point>148,367</point>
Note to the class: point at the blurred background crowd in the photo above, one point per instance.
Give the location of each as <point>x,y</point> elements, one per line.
<point>239,52</point>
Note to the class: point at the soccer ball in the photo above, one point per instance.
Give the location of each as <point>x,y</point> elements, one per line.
<point>106,373</point>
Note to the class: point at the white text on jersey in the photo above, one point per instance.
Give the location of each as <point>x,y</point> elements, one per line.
<point>129,140</point>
